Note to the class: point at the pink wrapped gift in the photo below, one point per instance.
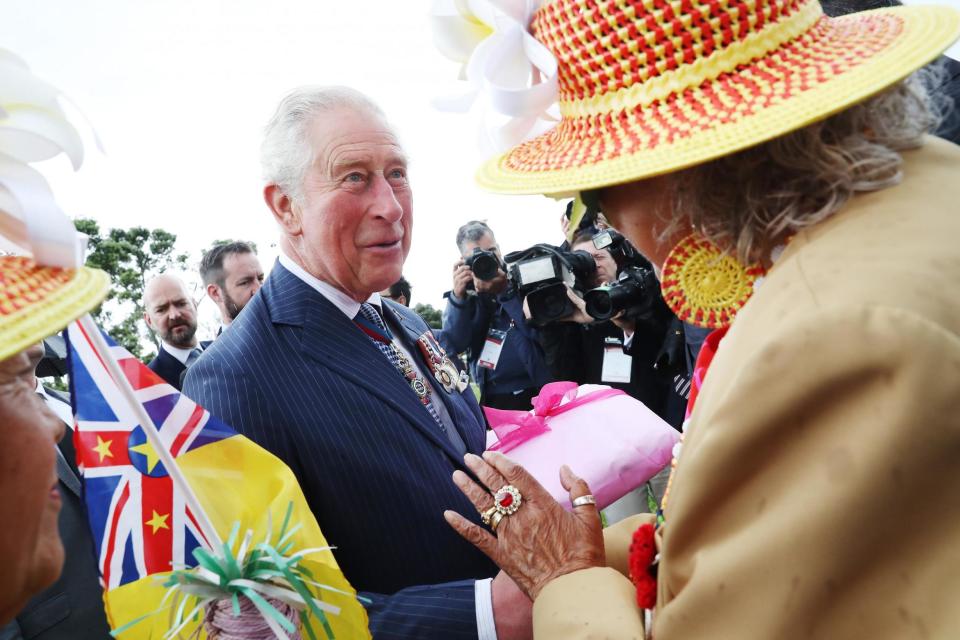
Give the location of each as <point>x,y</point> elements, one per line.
<point>609,439</point>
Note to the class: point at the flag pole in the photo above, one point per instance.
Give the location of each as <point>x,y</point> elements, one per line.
<point>150,429</point>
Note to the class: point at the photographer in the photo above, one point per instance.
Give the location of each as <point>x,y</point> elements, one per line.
<point>484,317</point>
<point>620,352</point>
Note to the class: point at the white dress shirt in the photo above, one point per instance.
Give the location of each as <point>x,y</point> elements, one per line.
<point>483,597</point>
<point>177,352</point>
<point>58,406</point>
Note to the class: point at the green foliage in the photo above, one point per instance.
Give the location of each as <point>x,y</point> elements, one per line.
<point>130,257</point>
<point>431,316</point>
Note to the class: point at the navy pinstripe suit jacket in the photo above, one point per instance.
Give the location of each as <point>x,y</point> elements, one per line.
<point>295,375</point>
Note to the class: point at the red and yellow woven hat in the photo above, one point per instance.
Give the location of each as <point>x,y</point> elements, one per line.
<point>647,87</point>
<point>36,302</point>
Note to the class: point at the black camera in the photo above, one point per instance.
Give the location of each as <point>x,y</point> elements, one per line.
<point>617,246</point>
<point>634,292</point>
<point>542,274</point>
<point>484,264</point>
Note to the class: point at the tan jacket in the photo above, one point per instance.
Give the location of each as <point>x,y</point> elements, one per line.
<point>818,490</point>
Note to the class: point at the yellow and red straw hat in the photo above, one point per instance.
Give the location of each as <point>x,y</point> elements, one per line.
<point>36,302</point>
<point>647,87</point>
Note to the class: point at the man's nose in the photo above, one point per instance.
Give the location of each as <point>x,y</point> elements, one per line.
<point>385,203</point>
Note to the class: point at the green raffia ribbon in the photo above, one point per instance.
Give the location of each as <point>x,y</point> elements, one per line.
<point>652,504</point>
<point>264,571</point>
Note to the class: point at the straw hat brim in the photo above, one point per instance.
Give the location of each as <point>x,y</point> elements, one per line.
<point>36,302</point>
<point>846,59</point>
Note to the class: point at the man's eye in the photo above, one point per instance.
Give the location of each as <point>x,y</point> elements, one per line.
<point>354,177</point>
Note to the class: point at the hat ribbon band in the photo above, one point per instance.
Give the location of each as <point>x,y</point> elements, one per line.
<point>688,76</point>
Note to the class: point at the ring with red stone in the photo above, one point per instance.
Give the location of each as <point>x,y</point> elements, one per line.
<point>507,499</point>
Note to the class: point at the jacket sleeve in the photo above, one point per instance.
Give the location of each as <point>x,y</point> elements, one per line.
<point>592,603</point>
<point>562,608</point>
<point>531,351</point>
<point>11,631</point>
<point>432,612</point>
<point>458,321</point>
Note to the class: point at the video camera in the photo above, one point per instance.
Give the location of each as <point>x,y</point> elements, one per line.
<point>634,292</point>
<point>542,273</point>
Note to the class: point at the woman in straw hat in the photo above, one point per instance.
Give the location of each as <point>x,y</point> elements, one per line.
<point>775,164</point>
<point>35,302</point>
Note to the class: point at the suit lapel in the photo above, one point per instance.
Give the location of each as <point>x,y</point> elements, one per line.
<point>334,341</point>
<point>65,472</point>
<point>456,409</point>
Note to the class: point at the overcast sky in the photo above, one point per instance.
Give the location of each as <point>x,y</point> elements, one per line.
<point>179,90</point>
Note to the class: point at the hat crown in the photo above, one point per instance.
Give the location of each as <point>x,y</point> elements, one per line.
<point>605,46</point>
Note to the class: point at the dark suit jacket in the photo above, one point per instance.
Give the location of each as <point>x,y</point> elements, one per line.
<point>298,377</point>
<point>72,609</point>
<point>576,352</point>
<point>169,368</point>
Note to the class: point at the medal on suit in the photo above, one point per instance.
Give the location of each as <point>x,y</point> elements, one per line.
<point>382,335</point>
<point>444,370</point>
<point>417,383</point>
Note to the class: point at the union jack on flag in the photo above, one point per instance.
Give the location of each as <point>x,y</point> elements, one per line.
<point>140,521</point>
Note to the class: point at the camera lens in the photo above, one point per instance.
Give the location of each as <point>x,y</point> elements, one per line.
<point>549,303</point>
<point>599,303</point>
<point>554,304</point>
<point>485,266</point>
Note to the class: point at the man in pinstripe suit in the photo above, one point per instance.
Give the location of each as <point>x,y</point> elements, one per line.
<point>321,371</point>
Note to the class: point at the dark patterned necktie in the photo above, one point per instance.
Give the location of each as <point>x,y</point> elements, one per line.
<point>370,322</point>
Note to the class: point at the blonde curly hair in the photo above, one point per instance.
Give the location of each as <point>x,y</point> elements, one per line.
<point>747,201</point>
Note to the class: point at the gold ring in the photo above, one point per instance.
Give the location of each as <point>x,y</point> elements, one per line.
<point>485,515</point>
<point>495,520</point>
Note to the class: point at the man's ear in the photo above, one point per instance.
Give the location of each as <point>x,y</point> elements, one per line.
<point>213,291</point>
<point>146,318</point>
<point>283,209</point>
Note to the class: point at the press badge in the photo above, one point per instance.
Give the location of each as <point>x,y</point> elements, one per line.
<point>616,364</point>
<point>491,349</point>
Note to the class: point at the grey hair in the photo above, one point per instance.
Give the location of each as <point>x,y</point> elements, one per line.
<point>472,232</point>
<point>286,152</point>
<point>747,201</point>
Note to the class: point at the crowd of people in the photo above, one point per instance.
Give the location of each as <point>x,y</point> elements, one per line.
<point>814,376</point>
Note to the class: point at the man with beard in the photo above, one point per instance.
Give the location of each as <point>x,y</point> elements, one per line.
<point>170,312</point>
<point>232,275</point>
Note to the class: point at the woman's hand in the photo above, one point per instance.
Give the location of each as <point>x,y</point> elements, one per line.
<point>541,540</point>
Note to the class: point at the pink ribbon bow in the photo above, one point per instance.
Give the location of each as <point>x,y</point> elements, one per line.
<point>513,428</point>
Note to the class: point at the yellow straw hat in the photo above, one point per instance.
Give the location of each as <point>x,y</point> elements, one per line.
<point>647,87</point>
<point>36,302</point>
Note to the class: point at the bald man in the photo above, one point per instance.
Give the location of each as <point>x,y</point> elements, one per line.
<point>171,313</point>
